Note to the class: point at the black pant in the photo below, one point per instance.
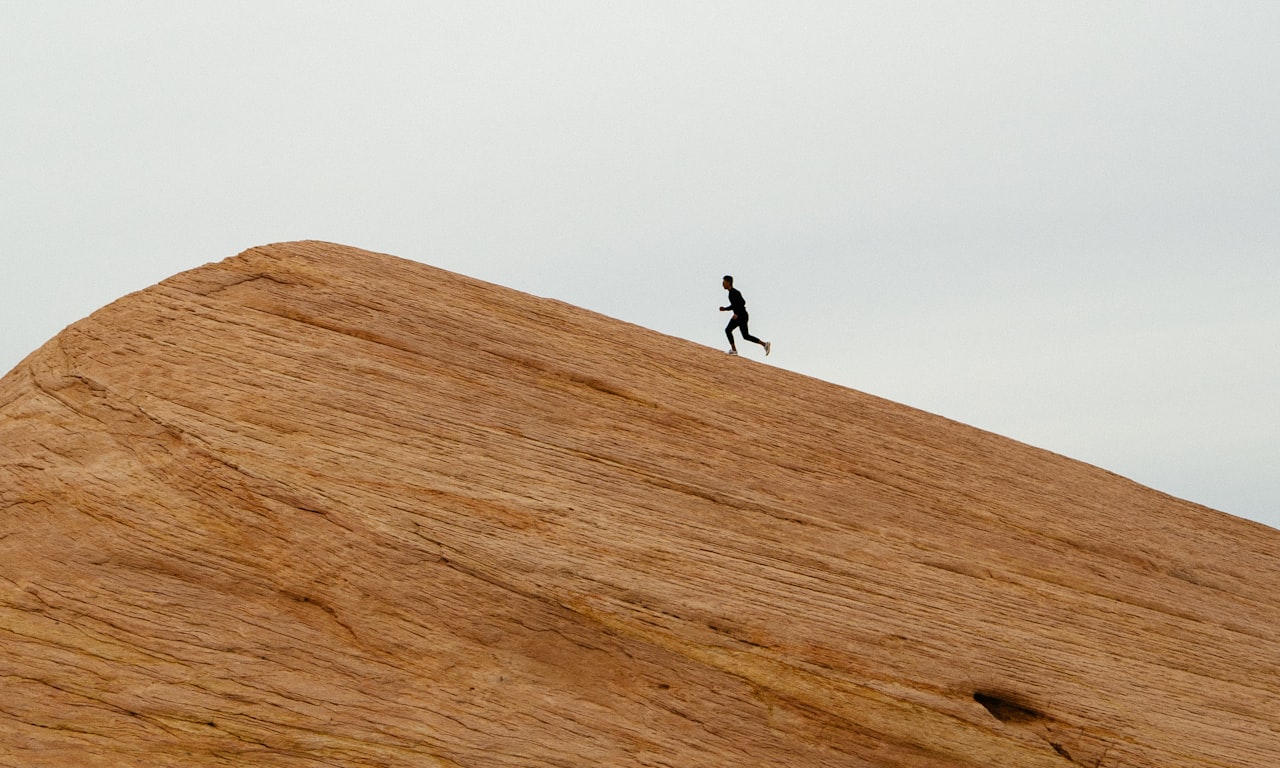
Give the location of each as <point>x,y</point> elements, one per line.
<point>739,321</point>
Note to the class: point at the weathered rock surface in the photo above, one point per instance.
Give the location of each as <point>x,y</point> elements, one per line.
<point>316,506</point>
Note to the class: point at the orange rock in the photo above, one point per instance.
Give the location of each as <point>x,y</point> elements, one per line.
<point>318,506</point>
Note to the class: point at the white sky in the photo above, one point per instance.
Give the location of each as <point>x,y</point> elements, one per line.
<point>1058,221</point>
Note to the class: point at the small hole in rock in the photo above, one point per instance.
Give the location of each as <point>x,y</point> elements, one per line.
<point>1006,711</point>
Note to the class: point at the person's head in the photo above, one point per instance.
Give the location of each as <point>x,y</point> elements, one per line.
<point>728,281</point>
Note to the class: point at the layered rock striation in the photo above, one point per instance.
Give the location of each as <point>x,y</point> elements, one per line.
<point>314,506</point>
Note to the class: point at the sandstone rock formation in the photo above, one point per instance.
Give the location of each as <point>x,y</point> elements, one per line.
<point>314,506</point>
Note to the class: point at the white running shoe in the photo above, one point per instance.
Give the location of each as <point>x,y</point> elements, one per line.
<point>768,346</point>
<point>733,352</point>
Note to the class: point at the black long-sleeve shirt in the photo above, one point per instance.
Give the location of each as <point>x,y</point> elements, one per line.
<point>736,302</point>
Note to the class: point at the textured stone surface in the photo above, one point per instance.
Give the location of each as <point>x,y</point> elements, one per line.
<point>316,506</point>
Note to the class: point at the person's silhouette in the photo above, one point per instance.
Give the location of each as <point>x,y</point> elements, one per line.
<point>738,306</point>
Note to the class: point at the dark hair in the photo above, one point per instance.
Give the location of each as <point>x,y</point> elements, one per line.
<point>729,278</point>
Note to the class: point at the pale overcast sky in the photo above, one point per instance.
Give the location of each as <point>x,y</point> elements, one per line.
<point>1058,221</point>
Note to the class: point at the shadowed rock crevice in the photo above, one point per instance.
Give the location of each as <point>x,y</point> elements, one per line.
<point>1007,711</point>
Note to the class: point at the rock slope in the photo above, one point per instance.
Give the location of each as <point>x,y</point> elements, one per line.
<point>314,506</point>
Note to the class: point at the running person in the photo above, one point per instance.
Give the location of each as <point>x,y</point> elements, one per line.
<point>738,306</point>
